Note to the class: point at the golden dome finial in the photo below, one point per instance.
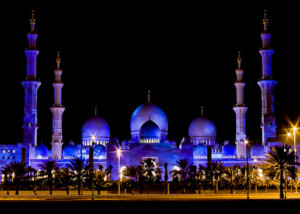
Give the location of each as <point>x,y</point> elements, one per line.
<point>239,60</point>
<point>96,111</point>
<point>265,21</point>
<point>149,100</point>
<point>58,60</point>
<point>32,21</point>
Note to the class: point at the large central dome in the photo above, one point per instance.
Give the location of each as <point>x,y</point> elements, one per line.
<point>145,112</point>
<point>95,130</point>
<point>202,129</point>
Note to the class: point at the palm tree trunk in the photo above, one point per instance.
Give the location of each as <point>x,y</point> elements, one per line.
<point>281,184</point>
<point>17,189</point>
<point>79,186</point>
<point>216,187</point>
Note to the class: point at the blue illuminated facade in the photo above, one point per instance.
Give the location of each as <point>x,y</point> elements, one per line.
<point>149,128</point>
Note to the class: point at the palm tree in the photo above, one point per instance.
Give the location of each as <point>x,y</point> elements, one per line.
<point>48,169</point>
<point>268,176</point>
<point>110,167</point>
<point>150,171</point>
<point>31,173</point>
<point>31,178</point>
<point>280,159</point>
<point>100,179</point>
<point>19,170</point>
<point>201,176</point>
<point>66,178</point>
<point>7,171</point>
<point>232,175</point>
<point>79,168</point>
<point>182,172</point>
<point>254,177</point>
<point>293,174</point>
<point>132,172</point>
<point>217,169</point>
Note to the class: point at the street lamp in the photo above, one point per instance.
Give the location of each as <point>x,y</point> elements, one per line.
<point>246,142</point>
<point>290,135</point>
<point>295,150</point>
<point>92,163</point>
<point>119,157</point>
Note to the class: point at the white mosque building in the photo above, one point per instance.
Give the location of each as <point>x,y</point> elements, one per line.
<point>149,126</point>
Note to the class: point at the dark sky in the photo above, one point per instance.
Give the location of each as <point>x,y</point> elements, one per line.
<point>111,55</point>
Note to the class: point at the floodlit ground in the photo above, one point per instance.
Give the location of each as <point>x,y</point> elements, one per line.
<point>145,197</point>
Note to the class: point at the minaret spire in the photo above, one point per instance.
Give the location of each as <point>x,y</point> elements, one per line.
<point>202,111</point>
<point>58,60</point>
<point>265,21</point>
<point>240,111</point>
<point>32,21</point>
<point>239,60</point>
<point>57,112</point>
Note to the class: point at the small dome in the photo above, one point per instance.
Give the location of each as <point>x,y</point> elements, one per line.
<point>41,152</point>
<point>257,151</point>
<point>141,116</point>
<point>100,152</point>
<point>167,141</point>
<point>200,151</point>
<point>70,151</point>
<point>96,127</point>
<point>150,130</point>
<point>229,150</point>
<point>202,127</point>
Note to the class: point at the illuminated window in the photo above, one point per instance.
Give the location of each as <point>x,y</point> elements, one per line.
<point>14,151</point>
<point>8,151</point>
<point>3,151</point>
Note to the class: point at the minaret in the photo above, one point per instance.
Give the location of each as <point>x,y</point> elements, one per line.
<point>267,85</point>
<point>240,111</point>
<point>31,86</point>
<point>57,112</point>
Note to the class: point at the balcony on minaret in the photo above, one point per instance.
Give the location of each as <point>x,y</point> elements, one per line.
<point>266,40</point>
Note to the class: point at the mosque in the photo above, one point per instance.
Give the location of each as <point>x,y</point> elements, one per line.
<point>149,127</point>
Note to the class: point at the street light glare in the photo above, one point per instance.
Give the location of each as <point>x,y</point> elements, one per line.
<point>119,152</point>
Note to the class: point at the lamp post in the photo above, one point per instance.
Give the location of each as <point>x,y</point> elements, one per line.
<point>295,150</point>
<point>246,142</point>
<point>119,155</point>
<point>92,163</point>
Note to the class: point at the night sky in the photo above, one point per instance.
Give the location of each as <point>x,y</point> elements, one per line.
<point>112,54</point>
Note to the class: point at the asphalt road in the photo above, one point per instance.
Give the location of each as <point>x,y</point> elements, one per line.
<point>226,203</point>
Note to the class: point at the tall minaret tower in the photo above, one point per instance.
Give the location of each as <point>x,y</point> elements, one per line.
<point>240,111</point>
<point>267,85</point>
<point>31,86</point>
<point>57,112</point>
